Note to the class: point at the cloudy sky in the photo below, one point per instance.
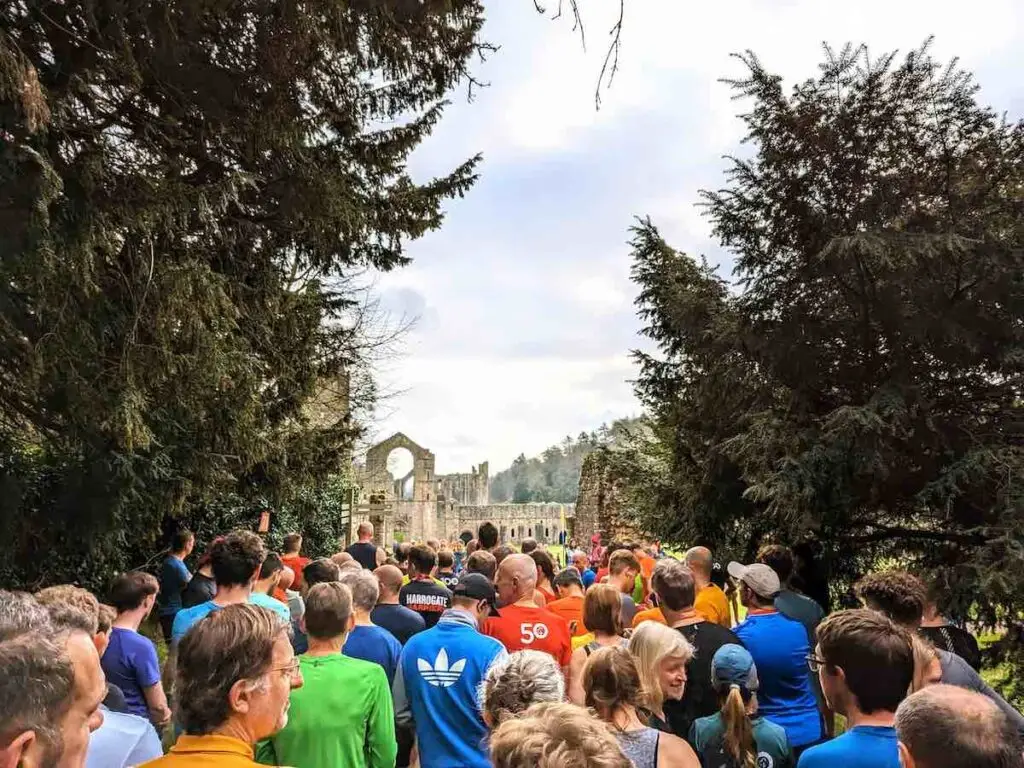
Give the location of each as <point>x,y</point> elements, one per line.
<point>523,298</point>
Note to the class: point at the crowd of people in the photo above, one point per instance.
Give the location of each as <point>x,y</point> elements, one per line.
<point>440,655</point>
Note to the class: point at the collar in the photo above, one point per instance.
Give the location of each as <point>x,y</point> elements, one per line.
<point>212,744</point>
<point>760,611</point>
<point>458,616</point>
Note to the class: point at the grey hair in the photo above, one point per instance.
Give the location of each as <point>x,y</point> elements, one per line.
<point>365,588</point>
<point>942,725</point>
<point>21,613</point>
<point>525,678</point>
<point>37,684</point>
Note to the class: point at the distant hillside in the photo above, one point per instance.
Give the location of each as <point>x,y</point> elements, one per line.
<point>554,476</point>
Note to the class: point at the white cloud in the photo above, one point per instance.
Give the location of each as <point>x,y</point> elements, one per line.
<point>525,289</point>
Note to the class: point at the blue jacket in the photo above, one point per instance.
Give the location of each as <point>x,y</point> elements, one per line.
<point>436,689</point>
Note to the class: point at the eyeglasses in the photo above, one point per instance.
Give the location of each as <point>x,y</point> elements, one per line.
<point>291,670</point>
<point>815,662</point>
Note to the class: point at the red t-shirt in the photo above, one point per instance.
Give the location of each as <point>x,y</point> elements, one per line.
<point>521,628</point>
<point>296,563</point>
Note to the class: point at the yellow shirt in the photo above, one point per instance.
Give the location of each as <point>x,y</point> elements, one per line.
<point>206,752</point>
<point>579,642</point>
<point>713,605</point>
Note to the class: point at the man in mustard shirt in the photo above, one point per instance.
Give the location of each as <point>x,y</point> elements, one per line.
<point>235,671</point>
<point>711,602</point>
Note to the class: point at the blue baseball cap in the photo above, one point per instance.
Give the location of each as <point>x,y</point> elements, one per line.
<point>733,665</point>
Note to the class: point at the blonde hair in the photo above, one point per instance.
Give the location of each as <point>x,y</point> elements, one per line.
<point>924,656</point>
<point>738,737</point>
<point>551,735</point>
<point>651,644</point>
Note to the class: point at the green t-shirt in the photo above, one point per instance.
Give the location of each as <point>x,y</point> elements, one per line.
<point>341,717</point>
<point>707,737</point>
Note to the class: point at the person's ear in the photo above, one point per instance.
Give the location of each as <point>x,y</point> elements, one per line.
<point>22,752</point>
<point>906,759</point>
<point>302,624</point>
<point>239,696</point>
<point>351,622</point>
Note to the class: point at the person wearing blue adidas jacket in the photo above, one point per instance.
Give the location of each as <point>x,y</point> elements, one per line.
<point>435,688</point>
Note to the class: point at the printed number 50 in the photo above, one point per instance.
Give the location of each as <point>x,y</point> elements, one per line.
<point>530,632</point>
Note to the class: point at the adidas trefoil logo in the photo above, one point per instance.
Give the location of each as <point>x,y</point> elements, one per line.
<point>441,675</point>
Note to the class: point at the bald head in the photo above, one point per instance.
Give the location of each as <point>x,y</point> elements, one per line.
<point>700,561</point>
<point>517,578</point>
<point>390,578</point>
<point>942,726</point>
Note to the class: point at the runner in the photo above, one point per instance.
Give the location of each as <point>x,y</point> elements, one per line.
<point>422,594</point>
<point>522,625</point>
<point>439,675</point>
<point>174,577</point>
<point>866,664</point>
<point>711,602</point>
<point>364,551</point>
<point>948,727</point>
<point>780,648</point>
<point>400,621</point>
<point>293,559</point>
<point>365,640</point>
<point>236,562</point>
<point>623,570</point>
<point>737,735</point>
<point>342,715</point>
<point>446,568</point>
<point>130,661</point>
<point>676,589</point>
<point>569,604</point>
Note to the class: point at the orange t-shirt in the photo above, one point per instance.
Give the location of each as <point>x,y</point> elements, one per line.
<point>525,628</point>
<point>713,605</point>
<point>651,614</point>
<point>570,609</point>
<point>296,563</point>
<point>549,596</point>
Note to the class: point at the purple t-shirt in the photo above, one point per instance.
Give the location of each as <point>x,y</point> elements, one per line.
<point>130,663</point>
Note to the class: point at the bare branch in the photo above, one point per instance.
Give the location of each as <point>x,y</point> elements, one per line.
<point>611,57</point>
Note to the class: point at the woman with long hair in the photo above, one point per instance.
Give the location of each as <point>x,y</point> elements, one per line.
<point>661,657</point>
<point>602,617</point>
<point>545,574</point>
<point>927,668</point>
<point>612,688</point>
<point>736,737</point>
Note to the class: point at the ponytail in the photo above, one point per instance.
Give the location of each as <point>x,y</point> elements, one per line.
<point>739,734</point>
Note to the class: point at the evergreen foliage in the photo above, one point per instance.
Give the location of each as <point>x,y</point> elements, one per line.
<point>188,188</point>
<point>554,476</point>
<point>860,383</point>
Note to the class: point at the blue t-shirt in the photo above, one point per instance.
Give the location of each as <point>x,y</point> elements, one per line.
<point>130,663</point>
<point>400,621</point>
<point>174,577</point>
<point>374,644</point>
<point>266,601</point>
<point>186,617</point>
<point>780,647</point>
<point>865,746</point>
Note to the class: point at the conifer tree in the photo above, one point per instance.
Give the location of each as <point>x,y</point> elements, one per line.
<point>860,382</point>
<point>186,189</point>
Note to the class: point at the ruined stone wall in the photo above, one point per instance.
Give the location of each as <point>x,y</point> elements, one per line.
<point>600,506</point>
<point>473,488</point>
<point>515,522</point>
